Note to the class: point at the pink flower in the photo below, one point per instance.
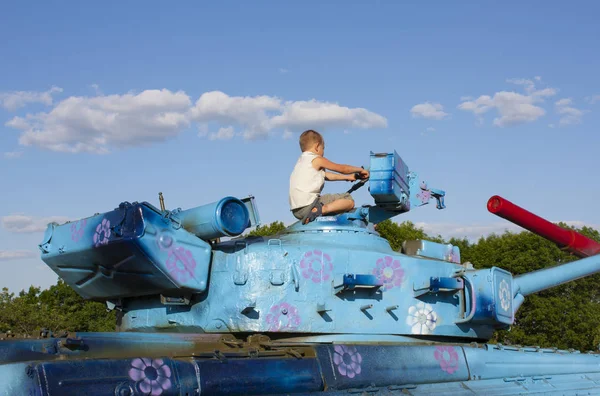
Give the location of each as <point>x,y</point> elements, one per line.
<point>181,264</point>
<point>283,316</point>
<point>452,255</point>
<point>152,376</point>
<point>77,230</point>
<point>447,357</point>
<point>102,233</point>
<point>389,272</point>
<point>316,266</point>
<point>424,196</point>
<point>348,360</point>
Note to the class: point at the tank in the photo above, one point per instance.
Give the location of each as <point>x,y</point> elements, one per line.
<point>322,308</point>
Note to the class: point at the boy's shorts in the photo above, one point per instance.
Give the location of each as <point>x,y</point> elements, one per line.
<point>301,213</point>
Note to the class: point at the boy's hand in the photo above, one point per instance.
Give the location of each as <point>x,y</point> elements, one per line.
<point>364,174</point>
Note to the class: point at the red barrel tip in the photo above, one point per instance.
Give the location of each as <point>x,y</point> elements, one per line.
<point>494,203</point>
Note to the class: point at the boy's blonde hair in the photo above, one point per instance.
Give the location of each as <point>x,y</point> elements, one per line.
<point>309,138</point>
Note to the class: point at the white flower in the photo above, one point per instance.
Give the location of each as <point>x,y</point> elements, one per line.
<point>421,318</point>
<point>504,295</point>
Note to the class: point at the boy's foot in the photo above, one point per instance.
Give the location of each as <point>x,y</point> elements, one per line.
<point>315,212</point>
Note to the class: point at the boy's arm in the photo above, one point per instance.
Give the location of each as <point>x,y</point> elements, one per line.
<point>337,177</point>
<point>322,162</point>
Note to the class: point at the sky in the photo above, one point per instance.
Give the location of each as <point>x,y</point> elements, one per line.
<point>107,102</point>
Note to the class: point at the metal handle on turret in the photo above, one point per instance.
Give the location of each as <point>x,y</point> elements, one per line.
<point>358,185</point>
<point>473,302</point>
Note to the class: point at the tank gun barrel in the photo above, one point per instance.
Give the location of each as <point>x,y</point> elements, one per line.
<point>569,240</point>
<point>548,278</point>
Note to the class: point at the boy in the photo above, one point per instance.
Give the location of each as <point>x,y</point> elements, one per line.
<point>308,178</point>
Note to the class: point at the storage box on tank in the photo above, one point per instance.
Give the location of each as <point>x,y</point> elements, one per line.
<point>388,180</point>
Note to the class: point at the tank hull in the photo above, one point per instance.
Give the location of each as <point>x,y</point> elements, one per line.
<point>220,364</point>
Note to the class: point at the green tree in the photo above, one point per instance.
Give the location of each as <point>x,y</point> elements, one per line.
<point>268,230</point>
<point>566,316</point>
<point>57,308</point>
<point>397,233</point>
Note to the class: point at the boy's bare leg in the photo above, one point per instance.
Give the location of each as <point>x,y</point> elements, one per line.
<point>337,206</point>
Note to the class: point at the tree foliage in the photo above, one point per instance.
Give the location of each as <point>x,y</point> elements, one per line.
<point>268,230</point>
<point>57,308</point>
<point>567,316</point>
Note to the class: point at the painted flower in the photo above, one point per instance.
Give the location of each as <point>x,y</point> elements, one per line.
<point>102,233</point>
<point>77,230</point>
<point>504,295</point>
<point>316,266</point>
<point>181,264</point>
<point>389,272</point>
<point>348,360</point>
<point>151,376</point>
<point>282,317</point>
<point>424,196</point>
<point>452,255</point>
<point>421,318</point>
<point>447,357</point>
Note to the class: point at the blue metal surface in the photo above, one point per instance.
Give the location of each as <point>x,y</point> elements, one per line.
<point>388,179</point>
<point>329,307</point>
<point>226,366</point>
<point>134,250</point>
<point>227,217</point>
<point>434,250</point>
<point>546,278</point>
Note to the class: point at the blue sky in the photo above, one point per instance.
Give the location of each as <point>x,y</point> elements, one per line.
<point>99,104</point>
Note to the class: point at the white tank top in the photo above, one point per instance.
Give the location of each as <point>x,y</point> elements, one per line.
<point>306,183</point>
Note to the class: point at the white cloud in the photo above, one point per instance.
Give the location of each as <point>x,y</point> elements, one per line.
<point>6,255</point>
<point>283,71</point>
<point>14,100</point>
<point>260,115</point>
<point>96,89</point>
<point>470,231</point>
<point>251,113</point>
<point>428,110</point>
<point>316,114</point>
<point>430,129</point>
<point>513,108</point>
<point>528,84</point>
<point>226,133</point>
<point>570,115</point>
<point>20,223</point>
<point>79,124</point>
<point>13,154</point>
<point>475,231</point>
<point>592,99</point>
<point>101,123</point>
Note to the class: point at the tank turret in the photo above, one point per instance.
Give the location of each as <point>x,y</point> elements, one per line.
<point>326,306</point>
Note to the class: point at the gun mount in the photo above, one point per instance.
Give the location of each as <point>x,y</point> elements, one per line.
<point>322,307</point>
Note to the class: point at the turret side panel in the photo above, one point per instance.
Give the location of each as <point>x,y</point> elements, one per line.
<point>130,251</point>
<point>291,287</point>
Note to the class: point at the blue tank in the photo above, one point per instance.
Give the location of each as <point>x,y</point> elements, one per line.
<point>326,307</point>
